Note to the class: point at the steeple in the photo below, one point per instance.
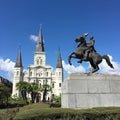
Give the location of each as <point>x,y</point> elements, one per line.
<point>59,61</point>
<point>19,60</point>
<point>40,44</point>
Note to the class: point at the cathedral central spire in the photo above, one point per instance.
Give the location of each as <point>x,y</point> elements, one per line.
<point>40,44</point>
<point>59,61</point>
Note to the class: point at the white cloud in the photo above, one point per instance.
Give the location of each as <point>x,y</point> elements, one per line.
<point>72,69</point>
<point>8,67</point>
<point>104,68</point>
<point>33,37</point>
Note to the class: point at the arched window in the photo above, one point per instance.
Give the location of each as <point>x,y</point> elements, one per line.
<point>37,61</point>
<point>52,85</point>
<point>30,73</point>
<point>59,73</point>
<point>41,61</point>
<point>46,73</point>
<point>59,84</point>
<point>17,72</point>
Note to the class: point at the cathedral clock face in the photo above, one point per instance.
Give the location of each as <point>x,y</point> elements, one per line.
<point>40,72</point>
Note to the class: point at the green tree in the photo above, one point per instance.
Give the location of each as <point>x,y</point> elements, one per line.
<point>23,87</point>
<point>33,90</point>
<point>45,88</point>
<point>5,93</point>
<point>28,88</point>
<point>1,93</point>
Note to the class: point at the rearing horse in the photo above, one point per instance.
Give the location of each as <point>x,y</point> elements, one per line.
<point>94,58</point>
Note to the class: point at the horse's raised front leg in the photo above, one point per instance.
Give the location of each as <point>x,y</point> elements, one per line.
<point>71,56</point>
<point>80,61</point>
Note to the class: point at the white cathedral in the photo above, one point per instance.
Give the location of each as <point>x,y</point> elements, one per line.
<point>39,72</point>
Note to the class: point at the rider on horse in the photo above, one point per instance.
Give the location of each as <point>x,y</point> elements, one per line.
<point>90,48</point>
<point>86,52</point>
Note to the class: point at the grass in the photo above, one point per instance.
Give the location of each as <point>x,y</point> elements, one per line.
<point>6,114</point>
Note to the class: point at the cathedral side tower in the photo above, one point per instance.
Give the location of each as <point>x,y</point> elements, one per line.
<point>40,55</point>
<point>58,78</point>
<point>18,74</point>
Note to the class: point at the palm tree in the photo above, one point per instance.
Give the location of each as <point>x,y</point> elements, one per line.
<point>33,90</point>
<point>45,88</point>
<point>27,88</point>
<point>23,87</point>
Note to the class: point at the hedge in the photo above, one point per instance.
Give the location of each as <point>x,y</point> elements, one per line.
<point>69,114</point>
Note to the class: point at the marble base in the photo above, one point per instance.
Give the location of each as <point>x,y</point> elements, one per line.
<point>88,91</point>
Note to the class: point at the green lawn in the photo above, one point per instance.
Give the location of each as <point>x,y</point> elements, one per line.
<point>6,114</point>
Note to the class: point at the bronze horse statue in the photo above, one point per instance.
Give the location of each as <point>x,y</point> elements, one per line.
<point>86,52</point>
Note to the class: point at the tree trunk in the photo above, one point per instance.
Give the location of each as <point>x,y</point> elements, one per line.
<point>44,95</point>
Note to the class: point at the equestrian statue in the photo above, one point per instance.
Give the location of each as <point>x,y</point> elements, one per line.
<point>85,51</point>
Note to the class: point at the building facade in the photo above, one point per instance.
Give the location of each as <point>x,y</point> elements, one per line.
<point>39,72</point>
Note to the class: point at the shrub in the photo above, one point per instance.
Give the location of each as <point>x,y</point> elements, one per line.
<point>55,104</point>
<point>56,98</point>
<point>68,114</point>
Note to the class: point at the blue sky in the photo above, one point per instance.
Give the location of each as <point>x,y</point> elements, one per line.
<point>62,21</point>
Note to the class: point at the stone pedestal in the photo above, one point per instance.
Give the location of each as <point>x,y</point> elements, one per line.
<point>88,91</point>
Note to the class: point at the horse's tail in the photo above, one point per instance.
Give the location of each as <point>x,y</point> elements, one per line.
<point>107,60</point>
